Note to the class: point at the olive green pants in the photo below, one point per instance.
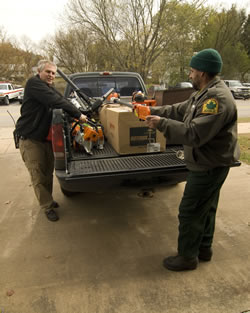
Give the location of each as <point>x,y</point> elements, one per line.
<point>39,160</point>
<point>197,210</point>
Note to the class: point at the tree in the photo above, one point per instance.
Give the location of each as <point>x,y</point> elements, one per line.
<point>245,36</point>
<point>130,30</point>
<point>29,56</point>
<point>186,20</point>
<point>3,35</point>
<point>223,32</point>
<point>15,63</point>
<point>133,33</point>
<point>9,60</point>
<point>71,49</point>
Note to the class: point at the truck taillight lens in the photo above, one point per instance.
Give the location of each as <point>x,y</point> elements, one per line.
<point>58,141</point>
<point>105,73</point>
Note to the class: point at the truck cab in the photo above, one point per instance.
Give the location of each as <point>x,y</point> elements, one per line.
<point>96,84</point>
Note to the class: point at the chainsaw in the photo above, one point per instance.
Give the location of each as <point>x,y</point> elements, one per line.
<point>140,105</point>
<point>87,136</point>
<point>87,105</point>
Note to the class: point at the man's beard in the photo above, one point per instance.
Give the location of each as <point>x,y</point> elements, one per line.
<point>196,86</point>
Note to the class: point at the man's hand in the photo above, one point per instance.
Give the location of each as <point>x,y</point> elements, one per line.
<point>152,121</point>
<point>83,118</point>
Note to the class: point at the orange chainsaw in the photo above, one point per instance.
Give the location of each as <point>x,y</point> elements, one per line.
<point>87,136</point>
<point>140,105</point>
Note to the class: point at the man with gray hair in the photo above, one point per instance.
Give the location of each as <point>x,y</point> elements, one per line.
<point>33,126</point>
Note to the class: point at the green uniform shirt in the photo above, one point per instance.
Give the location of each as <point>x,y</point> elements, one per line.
<point>205,124</point>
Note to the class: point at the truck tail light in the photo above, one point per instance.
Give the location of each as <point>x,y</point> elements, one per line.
<point>105,73</point>
<point>58,141</point>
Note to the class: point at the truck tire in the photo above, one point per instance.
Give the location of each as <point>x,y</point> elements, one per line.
<point>233,94</point>
<point>6,100</point>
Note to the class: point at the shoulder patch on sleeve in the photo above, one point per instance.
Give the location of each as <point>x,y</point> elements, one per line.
<point>210,106</point>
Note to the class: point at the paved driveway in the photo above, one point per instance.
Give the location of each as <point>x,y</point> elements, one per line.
<point>105,254</point>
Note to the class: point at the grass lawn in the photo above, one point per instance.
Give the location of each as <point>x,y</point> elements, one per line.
<point>243,119</point>
<point>244,141</point>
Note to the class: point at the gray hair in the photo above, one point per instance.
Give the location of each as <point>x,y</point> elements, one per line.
<point>41,64</point>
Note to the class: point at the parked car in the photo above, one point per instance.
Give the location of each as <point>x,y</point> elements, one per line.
<point>238,90</point>
<point>20,97</point>
<point>152,89</point>
<point>183,85</point>
<point>8,92</point>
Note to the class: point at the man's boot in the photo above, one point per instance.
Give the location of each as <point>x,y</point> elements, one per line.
<point>180,263</point>
<point>205,254</point>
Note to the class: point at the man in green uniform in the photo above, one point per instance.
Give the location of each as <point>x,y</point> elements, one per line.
<point>206,125</point>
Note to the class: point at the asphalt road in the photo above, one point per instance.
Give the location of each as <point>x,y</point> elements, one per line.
<point>243,107</point>
<point>105,254</point>
<point>5,119</point>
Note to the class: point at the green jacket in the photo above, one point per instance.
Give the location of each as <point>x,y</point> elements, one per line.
<point>205,124</point>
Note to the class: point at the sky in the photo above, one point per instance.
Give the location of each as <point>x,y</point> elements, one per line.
<point>34,19</point>
<point>40,19</point>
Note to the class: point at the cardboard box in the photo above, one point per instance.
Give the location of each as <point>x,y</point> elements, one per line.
<point>103,112</point>
<point>128,135</point>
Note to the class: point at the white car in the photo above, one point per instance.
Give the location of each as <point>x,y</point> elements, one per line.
<point>183,85</point>
<point>8,92</point>
<point>20,97</point>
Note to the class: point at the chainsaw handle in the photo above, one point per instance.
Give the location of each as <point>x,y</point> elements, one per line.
<point>123,103</point>
<point>93,104</point>
<point>105,96</point>
<point>74,86</point>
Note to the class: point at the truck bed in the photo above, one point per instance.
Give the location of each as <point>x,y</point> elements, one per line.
<point>107,161</point>
<point>106,169</point>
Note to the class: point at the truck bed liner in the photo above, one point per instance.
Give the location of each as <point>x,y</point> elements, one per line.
<point>107,161</point>
<point>106,152</point>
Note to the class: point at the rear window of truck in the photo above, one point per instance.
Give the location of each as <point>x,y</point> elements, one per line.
<point>97,87</point>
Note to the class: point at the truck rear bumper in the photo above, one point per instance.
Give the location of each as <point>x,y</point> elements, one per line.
<point>104,182</point>
<point>102,173</point>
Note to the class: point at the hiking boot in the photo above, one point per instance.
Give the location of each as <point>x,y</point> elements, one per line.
<point>180,263</point>
<point>205,254</point>
<point>51,215</point>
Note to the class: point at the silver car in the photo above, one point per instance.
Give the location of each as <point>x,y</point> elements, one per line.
<point>237,89</point>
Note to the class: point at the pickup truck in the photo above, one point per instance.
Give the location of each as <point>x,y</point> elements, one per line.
<point>8,91</point>
<point>238,90</point>
<point>78,171</point>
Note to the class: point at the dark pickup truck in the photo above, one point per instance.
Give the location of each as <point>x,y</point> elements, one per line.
<point>78,171</point>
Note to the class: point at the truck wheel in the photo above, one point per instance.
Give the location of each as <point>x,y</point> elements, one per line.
<point>234,95</point>
<point>68,193</point>
<point>6,101</point>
